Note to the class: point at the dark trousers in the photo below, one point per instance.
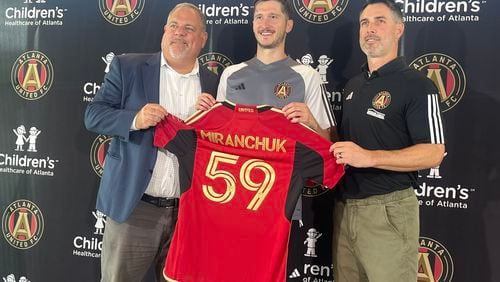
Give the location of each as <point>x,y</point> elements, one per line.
<point>130,248</point>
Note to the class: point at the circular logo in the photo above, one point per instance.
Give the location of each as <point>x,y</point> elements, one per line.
<point>312,189</point>
<point>446,73</point>
<point>32,75</point>
<point>98,153</point>
<point>215,62</point>
<point>121,12</point>
<point>434,261</point>
<point>22,224</point>
<point>382,100</point>
<point>319,11</point>
<point>282,90</point>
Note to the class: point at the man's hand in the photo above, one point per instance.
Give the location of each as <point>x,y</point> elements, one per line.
<point>299,112</point>
<point>205,101</point>
<point>149,115</point>
<point>348,153</point>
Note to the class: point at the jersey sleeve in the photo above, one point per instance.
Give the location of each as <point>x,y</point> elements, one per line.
<point>316,163</point>
<point>317,100</point>
<point>173,135</point>
<point>423,115</point>
<point>221,90</point>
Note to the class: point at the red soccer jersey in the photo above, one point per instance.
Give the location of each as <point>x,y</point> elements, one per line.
<point>242,170</point>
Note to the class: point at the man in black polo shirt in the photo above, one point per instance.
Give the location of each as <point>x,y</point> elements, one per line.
<point>391,127</point>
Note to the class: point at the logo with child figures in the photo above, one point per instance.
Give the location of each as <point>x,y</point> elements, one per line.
<point>12,278</point>
<point>98,152</point>
<point>322,67</point>
<point>121,12</point>
<point>22,138</point>
<point>32,75</point>
<point>319,11</point>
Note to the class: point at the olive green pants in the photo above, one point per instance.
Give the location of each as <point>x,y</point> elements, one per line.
<point>376,239</point>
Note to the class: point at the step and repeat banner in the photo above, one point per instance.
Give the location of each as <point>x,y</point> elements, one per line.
<point>54,55</point>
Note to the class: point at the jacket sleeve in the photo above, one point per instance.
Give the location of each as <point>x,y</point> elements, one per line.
<point>106,113</point>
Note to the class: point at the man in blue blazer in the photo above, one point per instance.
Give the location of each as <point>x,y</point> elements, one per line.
<point>139,188</point>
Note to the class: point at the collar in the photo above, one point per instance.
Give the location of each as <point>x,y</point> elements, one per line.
<point>194,71</point>
<point>393,66</point>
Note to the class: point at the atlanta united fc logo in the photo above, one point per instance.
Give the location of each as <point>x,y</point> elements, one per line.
<point>121,12</point>
<point>32,75</point>
<point>98,153</point>
<point>319,11</point>
<point>434,262</point>
<point>22,224</point>
<point>215,62</point>
<point>446,73</point>
<point>282,90</point>
<point>382,100</point>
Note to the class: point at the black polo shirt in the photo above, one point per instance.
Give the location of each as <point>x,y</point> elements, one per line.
<point>391,108</point>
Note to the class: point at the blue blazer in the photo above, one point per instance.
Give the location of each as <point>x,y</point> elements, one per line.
<point>132,82</point>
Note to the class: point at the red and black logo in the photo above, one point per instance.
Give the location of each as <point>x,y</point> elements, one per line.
<point>32,75</point>
<point>22,224</point>
<point>121,12</point>
<point>98,153</point>
<point>283,90</point>
<point>319,11</point>
<point>434,262</point>
<point>446,73</point>
<point>215,62</point>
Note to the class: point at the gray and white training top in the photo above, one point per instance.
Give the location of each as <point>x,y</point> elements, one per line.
<point>276,84</point>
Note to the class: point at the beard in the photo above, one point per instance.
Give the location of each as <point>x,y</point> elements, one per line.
<point>273,44</point>
<point>177,49</point>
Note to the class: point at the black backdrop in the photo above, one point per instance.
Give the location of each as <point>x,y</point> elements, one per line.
<point>53,59</point>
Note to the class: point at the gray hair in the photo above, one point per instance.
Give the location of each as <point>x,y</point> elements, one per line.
<point>192,7</point>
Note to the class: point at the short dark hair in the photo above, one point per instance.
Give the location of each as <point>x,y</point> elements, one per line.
<point>395,8</point>
<point>285,6</point>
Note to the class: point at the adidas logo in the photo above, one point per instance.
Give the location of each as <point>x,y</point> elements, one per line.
<point>294,274</point>
<point>240,86</point>
<point>349,97</point>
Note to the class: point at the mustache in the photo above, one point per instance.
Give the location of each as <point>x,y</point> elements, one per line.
<point>177,40</point>
<point>368,37</point>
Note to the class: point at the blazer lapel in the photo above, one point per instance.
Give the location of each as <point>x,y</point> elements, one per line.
<point>151,78</point>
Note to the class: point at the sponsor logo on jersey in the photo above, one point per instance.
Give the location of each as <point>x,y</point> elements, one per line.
<point>22,224</point>
<point>446,73</point>
<point>320,11</point>
<point>312,189</point>
<point>215,62</point>
<point>382,100</point>
<point>32,75</point>
<point>121,12</point>
<point>435,263</point>
<point>98,152</point>
<point>91,245</point>
<point>283,90</point>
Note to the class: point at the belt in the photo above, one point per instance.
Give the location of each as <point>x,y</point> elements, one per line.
<point>161,202</point>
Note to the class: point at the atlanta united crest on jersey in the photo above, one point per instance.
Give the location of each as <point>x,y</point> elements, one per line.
<point>242,169</point>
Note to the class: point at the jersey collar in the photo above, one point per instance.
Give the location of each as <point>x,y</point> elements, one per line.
<point>393,66</point>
